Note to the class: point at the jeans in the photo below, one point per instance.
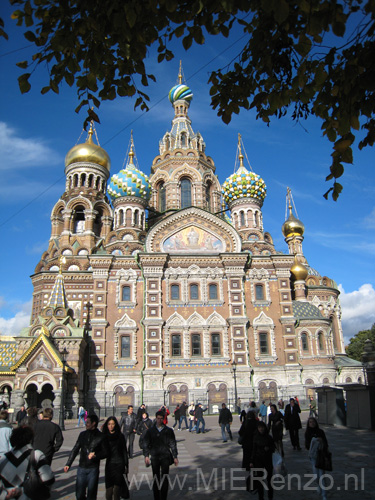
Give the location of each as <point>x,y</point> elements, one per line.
<point>129,439</point>
<point>191,425</point>
<point>87,478</point>
<point>198,424</point>
<point>80,417</point>
<point>181,420</point>
<point>160,470</point>
<point>319,473</point>
<point>227,428</point>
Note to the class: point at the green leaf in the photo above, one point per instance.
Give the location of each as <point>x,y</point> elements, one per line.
<point>22,64</point>
<point>45,90</point>
<point>23,82</point>
<point>187,41</point>
<point>281,11</point>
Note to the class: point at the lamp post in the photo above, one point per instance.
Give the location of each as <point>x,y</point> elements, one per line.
<point>234,366</point>
<point>63,354</point>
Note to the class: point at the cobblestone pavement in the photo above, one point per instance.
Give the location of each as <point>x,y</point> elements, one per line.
<point>210,468</point>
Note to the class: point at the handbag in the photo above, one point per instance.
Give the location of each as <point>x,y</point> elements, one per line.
<point>324,460</point>
<point>33,486</point>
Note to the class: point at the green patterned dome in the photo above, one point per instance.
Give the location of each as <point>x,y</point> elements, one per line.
<point>129,182</point>
<point>180,91</point>
<point>244,184</point>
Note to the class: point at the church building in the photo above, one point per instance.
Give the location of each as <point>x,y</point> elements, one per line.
<point>166,287</point>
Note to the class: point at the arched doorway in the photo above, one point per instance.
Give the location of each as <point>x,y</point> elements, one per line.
<point>216,397</point>
<point>268,393</point>
<point>177,397</point>
<point>6,394</point>
<point>46,397</point>
<point>31,395</point>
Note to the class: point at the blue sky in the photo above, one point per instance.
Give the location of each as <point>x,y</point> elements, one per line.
<point>37,131</point>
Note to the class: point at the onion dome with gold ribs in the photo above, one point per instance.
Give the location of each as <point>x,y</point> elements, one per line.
<point>88,152</point>
<point>292,226</point>
<point>298,270</point>
<point>129,182</point>
<point>243,184</point>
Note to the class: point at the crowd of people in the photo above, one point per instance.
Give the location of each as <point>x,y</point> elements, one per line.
<point>37,438</point>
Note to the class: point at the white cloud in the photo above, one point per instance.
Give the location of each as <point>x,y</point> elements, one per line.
<point>18,151</point>
<point>358,309</point>
<point>13,325</point>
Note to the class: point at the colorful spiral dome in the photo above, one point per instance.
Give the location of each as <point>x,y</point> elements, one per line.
<point>180,91</point>
<point>129,182</point>
<point>244,184</point>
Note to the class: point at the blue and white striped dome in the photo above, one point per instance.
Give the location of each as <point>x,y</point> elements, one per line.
<point>129,182</point>
<point>180,91</point>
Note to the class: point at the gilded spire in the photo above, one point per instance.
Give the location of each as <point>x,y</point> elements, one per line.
<point>240,155</point>
<point>292,226</point>
<point>90,134</point>
<point>180,73</point>
<point>131,153</point>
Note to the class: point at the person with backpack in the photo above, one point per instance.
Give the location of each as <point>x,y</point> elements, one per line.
<point>25,471</point>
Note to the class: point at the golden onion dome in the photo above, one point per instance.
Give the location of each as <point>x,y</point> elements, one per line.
<point>298,270</point>
<point>88,152</point>
<point>292,226</point>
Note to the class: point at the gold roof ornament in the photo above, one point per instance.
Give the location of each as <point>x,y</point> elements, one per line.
<point>292,226</point>
<point>88,152</point>
<point>298,270</point>
<point>45,330</point>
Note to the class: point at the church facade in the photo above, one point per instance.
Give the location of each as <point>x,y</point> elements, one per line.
<point>167,288</point>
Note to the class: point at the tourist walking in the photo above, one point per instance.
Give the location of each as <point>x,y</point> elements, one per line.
<point>200,418</point>
<point>117,463</point>
<point>246,439</point>
<point>192,417</point>
<point>261,458</point>
<point>142,428</point>
<point>31,417</point>
<point>315,440</point>
<point>183,410</point>
<point>275,425</point>
<point>312,406</point>
<point>16,463</point>
<point>293,422</point>
<point>92,446</point>
<point>176,415</point>
<point>160,445</point>
<point>253,408</point>
<point>141,410</point>
<point>128,427</point>
<point>165,412</point>
<point>225,420</point>
<point>81,416</point>
<point>263,412</point>
<point>48,436</point>
<point>5,433</point>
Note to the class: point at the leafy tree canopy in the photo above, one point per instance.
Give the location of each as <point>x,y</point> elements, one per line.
<point>357,343</point>
<point>312,57</point>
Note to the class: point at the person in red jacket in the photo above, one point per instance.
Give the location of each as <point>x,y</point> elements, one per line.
<point>166,412</point>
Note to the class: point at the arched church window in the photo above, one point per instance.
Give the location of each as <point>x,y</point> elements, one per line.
<point>304,341</point>
<point>259,292</point>
<point>185,192</point>
<point>79,219</point>
<point>161,193</point>
<point>125,293</point>
<point>128,217</point>
<point>121,217</point>
<point>194,292</point>
<point>242,216</point>
<point>321,342</point>
<point>208,196</point>
<point>183,140</point>
<point>136,217</point>
<point>97,226</point>
<point>175,292</point>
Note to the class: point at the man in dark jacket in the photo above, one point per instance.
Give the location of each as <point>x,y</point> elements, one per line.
<point>141,410</point>
<point>160,443</point>
<point>93,447</point>
<point>128,425</point>
<point>199,417</point>
<point>21,414</point>
<point>225,420</point>
<point>183,410</point>
<point>293,422</point>
<point>48,437</point>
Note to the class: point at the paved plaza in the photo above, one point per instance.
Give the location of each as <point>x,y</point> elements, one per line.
<point>210,468</point>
